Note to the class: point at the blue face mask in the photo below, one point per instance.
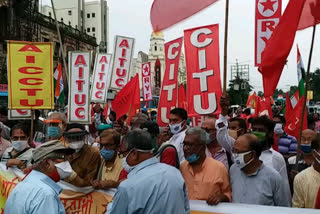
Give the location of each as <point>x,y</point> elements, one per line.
<point>208,140</point>
<point>107,154</point>
<point>306,148</point>
<point>53,131</point>
<point>193,158</point>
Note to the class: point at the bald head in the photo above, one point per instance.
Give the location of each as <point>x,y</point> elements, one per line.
<point>308,136</point>
<point>58,116</point>
<point>209,123</point>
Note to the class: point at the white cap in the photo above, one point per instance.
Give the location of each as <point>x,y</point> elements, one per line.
<point>278,129</point>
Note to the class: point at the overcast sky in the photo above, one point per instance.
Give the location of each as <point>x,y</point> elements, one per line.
<point>132,18</point>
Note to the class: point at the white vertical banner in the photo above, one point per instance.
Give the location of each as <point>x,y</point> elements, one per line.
<point>121,63</point>
<point>146,81</point>
<point>79,87</point>
<point>101,78</point>
<point>19,114</point>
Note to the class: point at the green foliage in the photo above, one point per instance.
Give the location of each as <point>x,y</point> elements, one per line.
<point>278,92</point>
<point>239,91</point>
<point>314,84</point>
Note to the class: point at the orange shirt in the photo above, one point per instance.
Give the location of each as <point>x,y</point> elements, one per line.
<point>213,177</point>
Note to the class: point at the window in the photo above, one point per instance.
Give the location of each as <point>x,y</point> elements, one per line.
<point>93,15</point>
<point>88,30</point>
<point>61,19</point>
<point>50,14</point>
<point>93,29</point>
<point>69,12</point>
<point>88,15</point>
<point>155,48</point>
<point>94,35</point>
<point>69,23</point>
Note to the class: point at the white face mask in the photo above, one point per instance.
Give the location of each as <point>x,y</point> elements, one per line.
<point>20,145</point>
<point>239,159</point>
<point>76,145</point>
<point>64,169</point>
<point>175,128</point>
<point>126,166</point>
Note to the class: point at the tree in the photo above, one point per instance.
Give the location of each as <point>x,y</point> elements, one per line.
<point>293,90</point>
<point>278,92</point>
<point>314,84</point>
<point>239,91</point>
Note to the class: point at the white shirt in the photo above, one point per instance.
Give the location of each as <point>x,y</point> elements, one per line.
<point>275,160</point>
<point>223,137</point>
<point>177,141</point>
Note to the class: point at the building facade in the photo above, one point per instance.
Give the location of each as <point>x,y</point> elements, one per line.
<point>21,21</point>
<point>89,17</point>
<point>156,57</point>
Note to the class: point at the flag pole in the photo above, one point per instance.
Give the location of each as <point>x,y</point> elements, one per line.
<point>32,125</point>
<point>305,96</point>
<point>225,49</point>
<point>60,41</point>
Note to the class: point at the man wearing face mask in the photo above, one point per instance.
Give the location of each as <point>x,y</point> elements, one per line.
<point>38,191</point>
<point>214,149</point>
<point>151,187</point>
<point>178,125</point>
<point>263,128</point>
<point>227,133</point>
<point>251,180</point>
<point>305,159</point>
<point>56,125</point>
<point>20,153</point>
<point>307,183</point>
<point>85,161</point>
<point>206,178</point>
<point>111,165</point>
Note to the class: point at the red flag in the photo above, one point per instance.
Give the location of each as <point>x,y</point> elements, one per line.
<point>165,13</point>
<point>288,106</point>
<point>106,111</point>
<point>263,107</point>
<point>128,99</point>
<point>92,111</point>
<point>182,98</point>
<point>310,15</point>
<point>294,120</point>
<point>249,101</point>
<point>317,205</point>
<point>275,54</point>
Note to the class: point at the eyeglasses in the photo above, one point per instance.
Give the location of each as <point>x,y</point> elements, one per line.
<point>107,146</point>
<point>191,146</point>
<point>209,130</point>
<point>16,138</point>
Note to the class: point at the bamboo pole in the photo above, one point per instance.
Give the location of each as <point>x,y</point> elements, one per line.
<point>225,57</point>
<point>60,41</point>
<point>305,96</point>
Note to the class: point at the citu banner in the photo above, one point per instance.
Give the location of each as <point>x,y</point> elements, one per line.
<point>169,91</point>
<point>203,70</point>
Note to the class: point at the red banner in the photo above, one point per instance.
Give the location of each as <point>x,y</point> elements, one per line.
<point>203,70</point>
<point>146,81</point>
<point>168,96</point>
<point>268,15</point>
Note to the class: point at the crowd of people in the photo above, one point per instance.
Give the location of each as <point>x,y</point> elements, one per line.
<point>235,159</point>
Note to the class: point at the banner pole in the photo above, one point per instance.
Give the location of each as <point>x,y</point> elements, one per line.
<point>225,58</point>
<point>60,41</point>
<point>32,124</point>
<point>305,96</point>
